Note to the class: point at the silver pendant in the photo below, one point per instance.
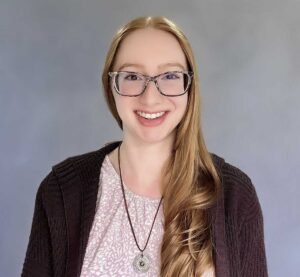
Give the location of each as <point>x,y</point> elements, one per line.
<point>141,263</point>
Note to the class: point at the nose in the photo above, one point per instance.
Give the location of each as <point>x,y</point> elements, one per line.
<point>151,95</point>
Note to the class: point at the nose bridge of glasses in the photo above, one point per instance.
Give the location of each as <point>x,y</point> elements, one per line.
<point>153,79</point>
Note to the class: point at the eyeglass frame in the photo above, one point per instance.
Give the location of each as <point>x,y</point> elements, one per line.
<point>148,79</point>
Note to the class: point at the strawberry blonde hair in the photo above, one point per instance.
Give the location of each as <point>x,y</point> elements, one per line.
<point>190,181</point>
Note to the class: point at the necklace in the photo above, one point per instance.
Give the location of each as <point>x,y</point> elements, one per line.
<point>142,261</point>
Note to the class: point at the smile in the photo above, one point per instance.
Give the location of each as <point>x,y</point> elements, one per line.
<point>150,115</point>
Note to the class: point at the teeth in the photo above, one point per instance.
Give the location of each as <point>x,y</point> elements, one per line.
<point>150,115</point>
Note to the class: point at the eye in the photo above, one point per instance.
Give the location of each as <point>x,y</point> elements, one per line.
<point>171,76</point>
<point>132,77</point>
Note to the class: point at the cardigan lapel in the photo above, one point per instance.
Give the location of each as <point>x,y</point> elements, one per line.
<point>68,181</point>
<point>88,168</point>
<point>78,178</point>
<point>89,174</point>
<point>221,260</point>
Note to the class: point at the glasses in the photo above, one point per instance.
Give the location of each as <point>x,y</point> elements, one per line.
<point>171,83</point>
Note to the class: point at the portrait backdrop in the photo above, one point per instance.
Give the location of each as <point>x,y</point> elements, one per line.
<point>52,105</point>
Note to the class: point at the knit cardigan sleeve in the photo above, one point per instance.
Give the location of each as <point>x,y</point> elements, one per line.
<point>244,225</point>
<point>38,260</point>
<point>251,237</point>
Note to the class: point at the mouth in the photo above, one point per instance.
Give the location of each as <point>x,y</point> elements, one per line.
<point>150,116</point>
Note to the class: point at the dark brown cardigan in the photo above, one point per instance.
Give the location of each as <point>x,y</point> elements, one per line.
<point>65,208</point>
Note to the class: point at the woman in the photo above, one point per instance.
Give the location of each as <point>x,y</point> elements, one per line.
<point>157,203</point>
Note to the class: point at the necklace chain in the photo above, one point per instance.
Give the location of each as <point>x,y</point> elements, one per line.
<point>126,208</point>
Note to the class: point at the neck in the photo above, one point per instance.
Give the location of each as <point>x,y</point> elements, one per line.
<point>141,166</point>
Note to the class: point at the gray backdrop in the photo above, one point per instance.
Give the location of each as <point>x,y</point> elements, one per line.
<point>51,57</point>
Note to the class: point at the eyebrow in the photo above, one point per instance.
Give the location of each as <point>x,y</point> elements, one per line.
<point>164,65</point>
<point>130,65</point>
<point>172,64</point>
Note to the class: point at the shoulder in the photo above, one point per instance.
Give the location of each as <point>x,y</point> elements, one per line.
<point>239,193</point>
<point>72,171</point>
<point>84,162</point>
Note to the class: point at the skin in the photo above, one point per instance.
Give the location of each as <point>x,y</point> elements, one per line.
<point>145,150</point>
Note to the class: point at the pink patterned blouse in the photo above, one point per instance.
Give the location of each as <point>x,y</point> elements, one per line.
<point>111,248</point>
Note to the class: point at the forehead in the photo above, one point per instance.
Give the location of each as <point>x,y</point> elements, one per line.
<point>150,48</point>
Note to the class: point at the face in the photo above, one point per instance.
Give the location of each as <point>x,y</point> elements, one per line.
<point>151,52</point>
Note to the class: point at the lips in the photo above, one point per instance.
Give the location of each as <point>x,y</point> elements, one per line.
<point>150,115</point>
<point>151,122</point>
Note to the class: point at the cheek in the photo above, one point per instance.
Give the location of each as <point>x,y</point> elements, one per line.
<point>181,104</point>
<point>183,107</point>
<point>118,103</point>
<point>123,105</point>
<point>185,102</point>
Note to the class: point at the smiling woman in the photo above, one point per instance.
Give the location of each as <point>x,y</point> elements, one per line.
<point>156,203</point>
<point>143,53</point>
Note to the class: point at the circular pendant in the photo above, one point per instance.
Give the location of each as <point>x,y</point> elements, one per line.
<point>141,263</point>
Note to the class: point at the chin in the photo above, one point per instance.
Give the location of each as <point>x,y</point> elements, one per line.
<point>155,137</point>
